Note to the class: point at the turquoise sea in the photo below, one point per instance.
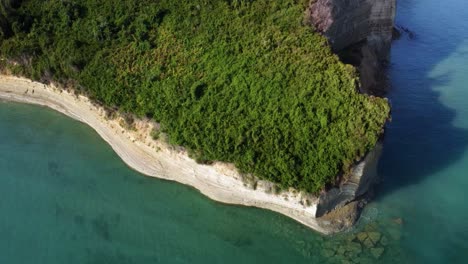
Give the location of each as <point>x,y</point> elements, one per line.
<point>66,197</point>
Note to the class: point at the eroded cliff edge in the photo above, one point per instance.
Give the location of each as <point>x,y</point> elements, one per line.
<point>360,31</point>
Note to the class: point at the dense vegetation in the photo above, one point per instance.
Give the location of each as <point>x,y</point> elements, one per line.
<point>241,81</point>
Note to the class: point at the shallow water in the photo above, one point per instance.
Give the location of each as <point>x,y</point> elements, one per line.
<point>66,197</point>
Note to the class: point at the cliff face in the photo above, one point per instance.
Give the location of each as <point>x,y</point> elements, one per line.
<point>347,22</point>
<point>359,30</point>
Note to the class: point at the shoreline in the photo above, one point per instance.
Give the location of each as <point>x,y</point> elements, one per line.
<point>220,181</point>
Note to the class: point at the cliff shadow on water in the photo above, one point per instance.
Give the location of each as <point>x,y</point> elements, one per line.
<point>422,138</point>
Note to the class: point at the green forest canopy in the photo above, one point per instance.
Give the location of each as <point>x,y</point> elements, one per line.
<point>241,81</point>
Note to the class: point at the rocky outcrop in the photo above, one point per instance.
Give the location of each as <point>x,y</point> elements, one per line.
<point>341,218</point>
<point>363,175</point>
<point>339,207</point>
<point>360,31</point>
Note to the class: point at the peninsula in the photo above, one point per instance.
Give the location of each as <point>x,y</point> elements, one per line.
<point>264,112</point>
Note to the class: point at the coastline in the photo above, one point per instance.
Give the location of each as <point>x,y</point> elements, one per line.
<point>220,181</point>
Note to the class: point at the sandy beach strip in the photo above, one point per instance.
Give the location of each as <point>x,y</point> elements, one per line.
<point>138,150</point>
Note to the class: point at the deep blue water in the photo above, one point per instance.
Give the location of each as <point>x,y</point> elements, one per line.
<point>66,197</point>
<point>425,160</point>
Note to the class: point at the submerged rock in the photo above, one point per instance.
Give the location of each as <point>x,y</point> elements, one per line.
<point>394,233</point>
<point>341,250</point>
<point>374,237</point>
<point>398,221</point>
<point>384,241</point>
<point>377,252</point>
<point>328,253</point>
<point>364,260</point>
<point>354,248</point>
<point>371,227</point>
<point>362,236</point>
<point>368,243</point>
